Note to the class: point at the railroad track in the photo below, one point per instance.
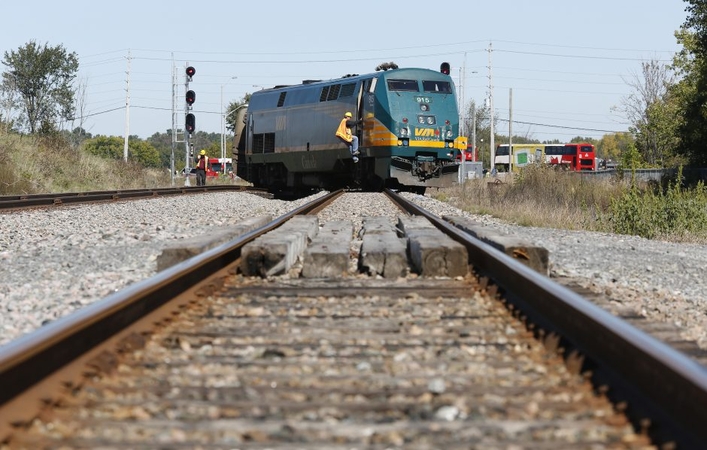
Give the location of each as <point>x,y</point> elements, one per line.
<point>10,202</point>
<point>203,355</point>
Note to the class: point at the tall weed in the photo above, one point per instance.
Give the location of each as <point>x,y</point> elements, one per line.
<point>31,165</point>
<point>545,197</point>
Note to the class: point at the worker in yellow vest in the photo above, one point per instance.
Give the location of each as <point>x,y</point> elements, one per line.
<point>202,163</point>
<point>344,133</point>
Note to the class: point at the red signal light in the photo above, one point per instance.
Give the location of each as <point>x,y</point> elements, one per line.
<point>190,123</point>
<point>191,97</point>
<point>191,71</point>
<point>444,68</point>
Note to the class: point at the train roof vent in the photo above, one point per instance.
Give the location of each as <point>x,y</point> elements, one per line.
<point>347,90</point>
<point>334,92</point>
<point>310,81</point>
<point>323,95</point>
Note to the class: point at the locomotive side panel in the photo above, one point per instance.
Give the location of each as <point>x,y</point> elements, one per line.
<point>292,142</point>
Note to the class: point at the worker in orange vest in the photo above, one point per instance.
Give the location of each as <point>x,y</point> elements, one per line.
<point>344,133</point>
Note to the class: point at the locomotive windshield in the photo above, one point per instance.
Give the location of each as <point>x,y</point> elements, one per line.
<point>403,85</point>
<point>444,87</point>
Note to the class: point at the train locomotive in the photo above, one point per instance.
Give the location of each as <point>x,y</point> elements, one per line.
<point>410,126</point>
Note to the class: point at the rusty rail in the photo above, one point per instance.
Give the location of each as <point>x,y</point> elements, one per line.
<point>664,391</point>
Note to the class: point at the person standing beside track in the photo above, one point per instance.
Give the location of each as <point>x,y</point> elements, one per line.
<point>201,165</point>
<point>344,133</point>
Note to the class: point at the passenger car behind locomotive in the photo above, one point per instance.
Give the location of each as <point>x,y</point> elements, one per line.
<point>410,126</point>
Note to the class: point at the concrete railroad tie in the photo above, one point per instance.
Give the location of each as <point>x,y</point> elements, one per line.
<point>182,250</point>
<point>275,252</point>
<point>329,253</point>
<point>415,245</point>
<point>382,252</point>
<point>533,256</point>
<point>433,254</point>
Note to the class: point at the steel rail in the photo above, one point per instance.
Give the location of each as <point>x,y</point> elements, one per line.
<point>31,358</point>
<point>663,391</point>
<point>55,199</point>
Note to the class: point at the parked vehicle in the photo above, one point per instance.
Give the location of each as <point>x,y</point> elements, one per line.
<point>468,155</point>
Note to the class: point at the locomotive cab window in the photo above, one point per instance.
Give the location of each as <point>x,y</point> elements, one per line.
<point>443,87</point>
<point>403,85</point>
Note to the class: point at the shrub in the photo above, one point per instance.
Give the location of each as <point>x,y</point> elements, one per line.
<point>542,196</point>
<point>655,212</point>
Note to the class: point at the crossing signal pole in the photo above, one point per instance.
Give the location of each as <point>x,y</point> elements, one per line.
<point>189,121</point>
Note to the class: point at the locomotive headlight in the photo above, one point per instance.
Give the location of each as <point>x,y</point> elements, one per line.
<point>431,120</point>
<point>404,132</point>
<point>449,134</point>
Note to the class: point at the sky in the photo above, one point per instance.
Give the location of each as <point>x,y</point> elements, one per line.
<point>559,69</point>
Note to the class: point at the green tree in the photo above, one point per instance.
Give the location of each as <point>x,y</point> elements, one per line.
<point>651,110</point>
<point>144,153</point>
<point>580,139</point>
<point>113,147</point>
<point>163,143</point>
<point>213,150</point>
<point>613,146</point>
<point>631,158</point>
<point>42,76</point>
<point>691,91</point>
<point>105,146</point>
<point>76,137</point>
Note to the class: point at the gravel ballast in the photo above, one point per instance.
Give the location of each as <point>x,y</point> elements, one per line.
<point>57,260</point>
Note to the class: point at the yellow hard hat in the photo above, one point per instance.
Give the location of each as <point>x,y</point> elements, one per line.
<point>348,114</point>
<point>203,152</point>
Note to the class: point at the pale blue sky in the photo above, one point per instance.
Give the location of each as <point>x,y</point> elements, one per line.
<point>567,63</point>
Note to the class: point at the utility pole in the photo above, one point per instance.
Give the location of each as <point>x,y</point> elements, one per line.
<point>127,113</point>
<point>473,131</point>
<point>510,130</point>
<point>462,106</point>
<point>492,150</point>
<point>460,102</point>
<point>223,133</point>
<point>174,120</point>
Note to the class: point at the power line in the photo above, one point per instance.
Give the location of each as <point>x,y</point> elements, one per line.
<point>607,58</point>
<point>562,127</point>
